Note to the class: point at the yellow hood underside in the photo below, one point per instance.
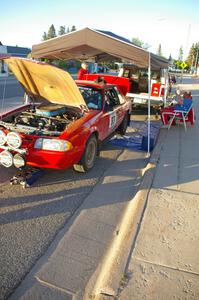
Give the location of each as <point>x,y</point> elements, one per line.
<point>44,81</point>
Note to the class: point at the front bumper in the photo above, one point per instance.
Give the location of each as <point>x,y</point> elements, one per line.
<point>39,158</point>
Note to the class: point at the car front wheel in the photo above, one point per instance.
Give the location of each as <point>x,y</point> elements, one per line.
<point>88,159</point>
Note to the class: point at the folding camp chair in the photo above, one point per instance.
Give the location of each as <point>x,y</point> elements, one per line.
<point>183,113</point>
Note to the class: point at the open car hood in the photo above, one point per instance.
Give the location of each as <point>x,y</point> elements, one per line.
<point>45,82</point>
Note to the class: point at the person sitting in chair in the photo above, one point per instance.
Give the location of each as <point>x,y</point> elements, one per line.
<point>178,101</point>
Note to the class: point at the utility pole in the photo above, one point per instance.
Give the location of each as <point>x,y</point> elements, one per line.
<point>187,41</point>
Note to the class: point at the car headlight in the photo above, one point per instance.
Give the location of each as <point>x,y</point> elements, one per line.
<point>6,159</point>
<point>19,161</point>
<point>14,140</point>
<point>2,138</point>
<point>53,144</point>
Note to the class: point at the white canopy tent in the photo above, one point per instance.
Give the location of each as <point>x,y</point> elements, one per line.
<point>99,45</point>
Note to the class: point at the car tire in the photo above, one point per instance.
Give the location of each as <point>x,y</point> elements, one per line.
<point>88,159</point>
<point>123,126</point>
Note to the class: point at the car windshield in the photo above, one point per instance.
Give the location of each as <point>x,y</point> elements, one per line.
<point>92,97</point>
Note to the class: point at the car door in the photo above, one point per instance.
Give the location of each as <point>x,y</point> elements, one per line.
<point>113,110</point>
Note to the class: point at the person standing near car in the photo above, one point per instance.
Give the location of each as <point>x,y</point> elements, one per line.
<point>82,71</point>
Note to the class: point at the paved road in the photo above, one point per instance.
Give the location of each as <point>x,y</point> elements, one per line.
<point>11,93</point>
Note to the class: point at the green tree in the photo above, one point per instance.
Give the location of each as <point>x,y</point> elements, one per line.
<point>159,50</point>
<point>136,41</point>
<point>62,30</point>
<point>73,28</point>
<point>45,36</point>
<point>178,62</point>
<point>170,59</point>
<point>180,55</point>
<point>51,32</point>
<point>196,55</point>
<point>193,56</point>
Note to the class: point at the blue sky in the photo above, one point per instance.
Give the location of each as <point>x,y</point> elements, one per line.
<point>171,23</point>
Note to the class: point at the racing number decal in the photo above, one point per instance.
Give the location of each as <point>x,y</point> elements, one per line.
<point>112,119</point>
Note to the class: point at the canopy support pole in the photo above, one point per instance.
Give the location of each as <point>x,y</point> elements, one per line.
<point>167,86</point>
<point>149,103</point>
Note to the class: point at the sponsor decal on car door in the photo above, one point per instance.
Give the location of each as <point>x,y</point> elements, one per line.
<point>112,120</point>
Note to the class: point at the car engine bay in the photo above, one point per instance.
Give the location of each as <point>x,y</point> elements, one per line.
<point>44,119</point>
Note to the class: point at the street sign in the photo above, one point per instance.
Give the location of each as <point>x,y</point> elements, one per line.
<point>183,65</point>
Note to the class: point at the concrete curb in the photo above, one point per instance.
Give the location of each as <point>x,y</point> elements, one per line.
<point>113,265</point>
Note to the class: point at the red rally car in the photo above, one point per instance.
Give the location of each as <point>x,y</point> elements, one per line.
<point>63,122</point>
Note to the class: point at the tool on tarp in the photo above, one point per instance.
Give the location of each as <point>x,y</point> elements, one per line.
<point>26,176</point>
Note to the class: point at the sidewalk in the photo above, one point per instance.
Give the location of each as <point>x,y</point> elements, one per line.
<point>164,262</point>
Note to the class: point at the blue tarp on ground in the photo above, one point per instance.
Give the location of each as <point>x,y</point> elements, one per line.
<point>135,133</point>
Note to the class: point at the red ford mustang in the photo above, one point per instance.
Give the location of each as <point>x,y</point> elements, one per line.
<point>63,122</point>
